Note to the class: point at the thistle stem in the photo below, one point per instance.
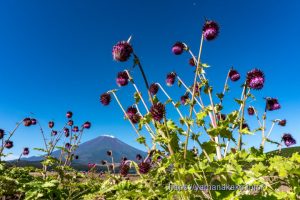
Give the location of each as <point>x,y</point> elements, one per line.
<point>242,108</point>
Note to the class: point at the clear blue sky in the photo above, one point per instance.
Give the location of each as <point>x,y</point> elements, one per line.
<point>55,56</point>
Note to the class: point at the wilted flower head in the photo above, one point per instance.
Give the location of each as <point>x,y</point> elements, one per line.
<point>234,75</point>
<point>153,89</point>
<point>255,79</point>
<point>170,80</point>
<point>53,132</point>
<point>210,30</point>
<point>158,111</point>
<point>67,132</point>
<point>70,122</point>
<point>33,121</point>
<point>8,144</point>
<point>124,168</point>
<point>139,157</point>
<point>133,115</point>
<point>122,78</point>
<point>69,114</point>
<point>109,153</point>
<point>178,48</point>
<point>27,121</point>
<point>251,110</point>
<point>87,125</point>
<point>75,129</point>
<point>288,139</point>
<point>105,99</point>
<point>51,124</point>
<point>144,167</point>
<point>272,104</point>
<point>184,98</point>
<point>122,51</point>
<point>1,133</point>
<point>25,151</point>
<point>192,62</point>
<point>282,122</point>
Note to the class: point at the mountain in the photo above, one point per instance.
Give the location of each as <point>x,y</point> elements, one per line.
<point>286,152</point>
<point>93,151</point>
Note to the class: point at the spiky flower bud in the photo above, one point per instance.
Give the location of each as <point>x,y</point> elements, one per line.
<point>282,122</point>
<point>27,121</point>
<point>70,122</point>
<point>105,99</point>
<point>170,80</point>
<point>153,88</point>
<point>53,133</point>
<point>255,79</point>
<point>144,167</point>
<point>122,78</point>
<point>158,111</point>
<point>133,115</point>
<point>122,51</point>
<point>87,125</point>
<point>272,104</point>
<point>69,114</point>
<point>51,124</point>
<point>251,110</point>
<point>192,62</point>
<point>75,129</point>
<point>234,75</point>
<point>288,139</point>
<point>124,168</point>
<point>178,48</point>
<point>33,121</point>
<point>210,30</point>
<point>184,98</point>
<point>26,151</point>
<point>8,144</point>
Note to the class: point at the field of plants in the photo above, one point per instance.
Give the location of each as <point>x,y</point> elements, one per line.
<point>211,169</point>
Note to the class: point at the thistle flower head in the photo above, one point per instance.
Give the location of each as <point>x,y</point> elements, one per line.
<point>122,78</point>
<point>68,145</point>
<point>27,121</point>
<point>87,125</point>
<point>282,122</point>
<point>133,115</point>
<point>75,129</point>
<point>178,48</point>
<point>25,151</point>
<point>153,89</point>
<point>158,111</point>
<point>1,133</point>
<point>139,157</point>
<point>255,79</point>
<point>170,80</point>
<point>53,133</point>
<point>69,114</point>
<point>184,98</point>
<point>109,153</point>
<point>103,162</point>
<point>234,75</point>
<point>144,167</point>
<point>51,124</point>
<point>272,104</point>
<point>251,110</point>
<point>122,51</point>
<point>124,168</point>
<point>288,139</point>
<point>76,157</point>
<point>221,116</point>
<point>210,30</point>
<point>70,122</point>
<point>105,99</point>
<point>33,121</point>
<point>245,126</point>
<point>67,132</point>
<point>192,62</point>
<point>8,144</point>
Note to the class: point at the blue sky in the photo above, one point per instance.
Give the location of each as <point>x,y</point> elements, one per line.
<point>55,56</point>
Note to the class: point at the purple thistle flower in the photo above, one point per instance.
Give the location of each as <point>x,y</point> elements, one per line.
<point>170,80</point>
<point>245,126</point>
<point>1,133</point>
<point>27,121</point>
<point>251,110</point>
<point>109,153</point>
<point>53,133</point>
<point>122,78</point>
<point>51,124</point>
<point>122,51</point>
<point>158,111</point>
<point>178,48</point>
<point>26,151</point>
<point>70,122</point>
<point>8,144</point>
<point>68,145</point>
<point>69,114</point>
<point>221,116</point>
<point>153,89</point>
<point>67,132</point>
<point>234,75</point>
<point>272,104</point>
<point>103,162</point>
<point>144,167</point>
<point>87,125</point>
<point>192,62</point>
<point>75,129</point>
<point>288,139</point>
<point>132,114</point>
<point>139,157</point>
<point>184,98</point>
<point>210,30</point>
<point>255,79</point>
<point>33,121</point>
<point>124,168</point>
<point>282,122</point>
<point>105,99</point>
